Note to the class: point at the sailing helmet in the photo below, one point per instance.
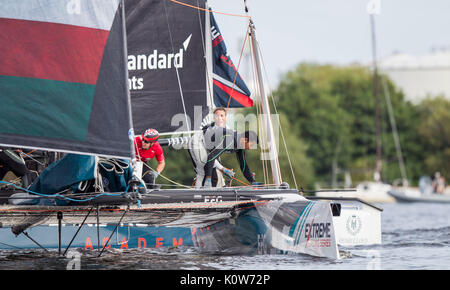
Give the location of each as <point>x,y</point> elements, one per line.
<point>150,135</point>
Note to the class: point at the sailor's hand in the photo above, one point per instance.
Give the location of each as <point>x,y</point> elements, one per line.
<point>228,172</point>
<point>155,174</point>
<point>208,183</point>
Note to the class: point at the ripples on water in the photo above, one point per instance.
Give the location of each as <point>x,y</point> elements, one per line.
<point>415,236</point>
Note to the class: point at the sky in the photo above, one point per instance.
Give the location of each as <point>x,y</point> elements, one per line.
<point>333,31</point>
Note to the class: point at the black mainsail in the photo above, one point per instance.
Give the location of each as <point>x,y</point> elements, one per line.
<point>166,64</point>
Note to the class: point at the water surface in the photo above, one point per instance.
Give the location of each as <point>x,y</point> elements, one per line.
<point>414,236</point>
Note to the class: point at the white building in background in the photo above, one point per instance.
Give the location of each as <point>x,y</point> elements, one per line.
<point>419,76</point>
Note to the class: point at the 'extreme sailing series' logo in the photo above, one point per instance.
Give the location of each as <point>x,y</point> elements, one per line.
<point>155,60</point>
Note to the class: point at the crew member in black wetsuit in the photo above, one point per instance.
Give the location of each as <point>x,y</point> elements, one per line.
<point>220,140</point>
<point>199,154</point>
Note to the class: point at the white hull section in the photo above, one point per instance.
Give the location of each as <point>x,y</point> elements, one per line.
<point>373,192</point>
<point>415,195</point>
<point>356,223</point>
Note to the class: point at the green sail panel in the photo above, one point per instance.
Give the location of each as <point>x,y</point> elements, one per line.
<point>39,107</point>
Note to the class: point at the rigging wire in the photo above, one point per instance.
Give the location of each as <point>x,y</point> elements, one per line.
<point>229,14</point>
<point>261,124</point>
<point>26,154</point>
<point>237,70</point>
<point>166,178</point>
<point>58,194</point>
<point>176,68</point>
<point>203,9</point>
<point>258,110</point>
<point>190,187</point>
<point>269,129</point>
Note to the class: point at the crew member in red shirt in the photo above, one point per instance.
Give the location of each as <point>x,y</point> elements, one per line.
<point>147,148</point>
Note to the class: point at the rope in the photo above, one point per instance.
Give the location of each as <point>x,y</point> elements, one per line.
<point>26,154</point>
<point>237,70</point>
<point>240,181</point>
<point>243,46</point>
<point>62,196</point>
<point>166,178</point>
<point>185,186</point>
<point>203,9</point>
<point>235,77</point>
<point>226,148</point>
<point>29,156</point>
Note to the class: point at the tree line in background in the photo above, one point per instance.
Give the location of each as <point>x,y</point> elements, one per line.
<point>327,114</point>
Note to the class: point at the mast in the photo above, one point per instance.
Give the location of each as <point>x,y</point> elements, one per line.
<point>379,163</point>
<point>127,91</point>
<point>273,152</point>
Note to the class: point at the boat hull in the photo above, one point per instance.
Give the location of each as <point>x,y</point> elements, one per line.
<point>407,196</point>
<point>223,221</point>
<point>373,192</point>
<point>269,220</point>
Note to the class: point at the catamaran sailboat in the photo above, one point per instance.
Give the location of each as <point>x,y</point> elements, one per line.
<point>81,78</point>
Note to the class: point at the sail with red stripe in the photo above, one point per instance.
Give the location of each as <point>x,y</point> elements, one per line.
<point>62,76</point>
<point>229,89</point>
